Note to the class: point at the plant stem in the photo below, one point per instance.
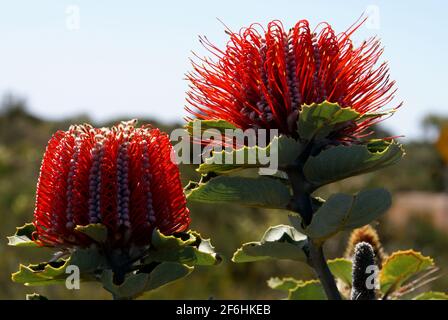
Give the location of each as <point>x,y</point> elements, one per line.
<point>301,203</point>
<point>316,260</point>
<point>301,200</point>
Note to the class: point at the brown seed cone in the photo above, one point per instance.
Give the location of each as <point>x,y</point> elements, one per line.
<point>366,234</point>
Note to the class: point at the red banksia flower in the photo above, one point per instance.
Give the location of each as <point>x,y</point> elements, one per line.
<point>121,177</point>
<point>263,76</point>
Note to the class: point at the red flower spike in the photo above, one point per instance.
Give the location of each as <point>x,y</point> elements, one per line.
<point>263,77</point>
<point>121,177</point>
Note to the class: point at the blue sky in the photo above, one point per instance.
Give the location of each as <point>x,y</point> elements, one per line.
<point>128,58</point>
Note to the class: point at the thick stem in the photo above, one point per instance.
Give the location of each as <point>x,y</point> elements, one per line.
<point>316,260</point>
<point>301,200</point>
<point>301,203</point>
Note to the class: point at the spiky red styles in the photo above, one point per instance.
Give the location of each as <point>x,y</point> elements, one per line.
<point>121,177</point>
<point>263,76</point>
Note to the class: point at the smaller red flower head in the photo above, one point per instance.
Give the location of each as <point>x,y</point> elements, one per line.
<point>121,177</point>
<point>263,76</point>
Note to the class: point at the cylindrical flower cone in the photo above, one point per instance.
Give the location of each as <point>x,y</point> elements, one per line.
<point>122,178</point>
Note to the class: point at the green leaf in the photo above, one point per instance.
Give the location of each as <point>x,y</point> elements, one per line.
<point>162,242</point>
<point>284,149</point>
<point>35,296</point>
<point>284,284</point>
<point>47,273</point>
<point>375,115</point>
<point>279,242</point>
<point>96,231</point>
<point>41,274</point>
<point>205,254</point>
<point>308,290</point>
<point>265,192</point>
<point>431,295</point>
<point>342,269</point>
<point>138,283</point>
<point>167,272</point>
<point>337,163</point>
<point>193,250</point>
<point>220,125</point>
<point>88,260</point>
<point>400,266</point>
<point>133,286</point>
<point>345,212</point>
<point>23,236</point>
<point>317,121</point>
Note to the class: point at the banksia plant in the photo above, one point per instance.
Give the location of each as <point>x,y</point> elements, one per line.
<point>363,268</point>
<point>121,177</point>
<point>110,200</point>
<point>264,76</point>
<point>369,235</point>
<point>401,276</point>
<point>318,95</point>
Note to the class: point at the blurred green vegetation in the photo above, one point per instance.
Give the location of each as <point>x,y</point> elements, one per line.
<point>23,138</point>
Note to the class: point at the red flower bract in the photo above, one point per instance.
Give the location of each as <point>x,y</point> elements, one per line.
<point>121,177</point>
<point>263,76</point>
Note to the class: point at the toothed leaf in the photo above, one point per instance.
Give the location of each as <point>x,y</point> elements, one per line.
<point>345,212</point>
<point>308,290</point>
<point>341,162</point>
<point>265,192</point>
<point>279,242</point>
<point>400,266</point>
<point>23,236</point>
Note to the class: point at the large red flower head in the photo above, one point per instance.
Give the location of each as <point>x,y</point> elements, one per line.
<point>121,177</point>
<point>263,77</point>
